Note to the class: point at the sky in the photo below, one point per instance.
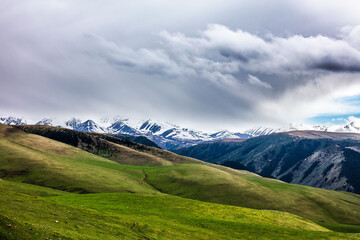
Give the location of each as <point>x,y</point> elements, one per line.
<point>208,65</point>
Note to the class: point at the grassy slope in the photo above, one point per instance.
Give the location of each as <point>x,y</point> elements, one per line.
<point>32,217</point>
<point>41,161</point>
<point>118,150</point>
<point>34,159</point>
<point>112,216</point>
<point>199,182</point>
<point>30,189</point>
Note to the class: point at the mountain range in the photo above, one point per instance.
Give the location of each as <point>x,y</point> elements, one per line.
<point>170,136</point>
<point>165,135</point>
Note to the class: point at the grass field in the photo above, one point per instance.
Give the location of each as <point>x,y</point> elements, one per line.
<point>137,216</point>
<point>43,178</point>
<point>199,182</point>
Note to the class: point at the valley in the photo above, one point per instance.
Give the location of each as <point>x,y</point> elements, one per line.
<point>98,178</point>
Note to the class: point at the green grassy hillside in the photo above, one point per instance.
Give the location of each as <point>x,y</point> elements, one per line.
<point>41,161</point>
<point>26,215</point>
<point>37,160</point>
<point>28,160</point>
<point>214,185</point>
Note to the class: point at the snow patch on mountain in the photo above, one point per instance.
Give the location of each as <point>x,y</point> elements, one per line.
<point>226,134</point>
<point>353,126</point>
<point>12,120</point>
<point>72,123</point>
<point>45,122</point>
<point>90,126</point>
<point>87,126</point>
<point>261,131</point>
<point>166,135</point>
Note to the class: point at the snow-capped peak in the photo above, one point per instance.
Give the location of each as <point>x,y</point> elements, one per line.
<point>353,126</point>
<point>45,122</point>
<point>261,131</point>
<point>73,123</point>
<point>89,126</point>
<point>12,121</point>
<point>157,128</point>
<point>224,134</point>
<point>121,126</point>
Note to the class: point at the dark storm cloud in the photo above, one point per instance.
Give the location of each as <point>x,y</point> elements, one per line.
<point>219,54</point>
<point>335,65</point>
<point>243,51</point>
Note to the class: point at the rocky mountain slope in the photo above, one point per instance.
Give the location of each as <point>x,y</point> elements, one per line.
<point>12,121</point>
<point>314,158</point>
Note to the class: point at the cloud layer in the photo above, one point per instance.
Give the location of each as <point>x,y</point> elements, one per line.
<point>221,50</point>
<point>301,69</point>
<point>66,58</point>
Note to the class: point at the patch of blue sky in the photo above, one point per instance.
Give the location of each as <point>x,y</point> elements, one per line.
<point>331,119</point>
<point>351,101</point>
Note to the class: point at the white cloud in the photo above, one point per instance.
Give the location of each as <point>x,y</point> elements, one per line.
<point>353,119</point>
<point>277,55</point>
<point>257,82</point>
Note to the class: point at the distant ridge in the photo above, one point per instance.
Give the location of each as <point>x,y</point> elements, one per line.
<point>321,159</point>
<point>170,136</point>
<point>165,135</point>
<point>115,148</point>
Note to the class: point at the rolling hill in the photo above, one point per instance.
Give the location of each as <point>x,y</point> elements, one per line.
<point>186,199</point>
<point>41,161</point>
<point>111,147</point>
<point>32,212</point>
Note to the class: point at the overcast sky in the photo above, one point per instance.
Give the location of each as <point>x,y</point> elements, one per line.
<point>208,65</point>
